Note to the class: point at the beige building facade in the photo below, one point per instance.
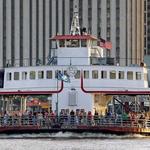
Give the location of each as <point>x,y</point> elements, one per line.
<point>27,25</point>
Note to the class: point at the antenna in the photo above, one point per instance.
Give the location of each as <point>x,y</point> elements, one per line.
<point>75,27</point>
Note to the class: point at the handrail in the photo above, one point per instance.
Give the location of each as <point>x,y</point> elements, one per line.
<point>19,92</point>
<point>112,92</point>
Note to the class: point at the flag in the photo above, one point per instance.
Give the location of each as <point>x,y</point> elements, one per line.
<point>63,77</point>
<point>105,44</point>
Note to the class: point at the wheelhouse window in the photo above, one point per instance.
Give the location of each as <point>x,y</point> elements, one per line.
<point>77,75</point>
<point>16,75</point>
<point>112,74</point>
<point>121,75</point>
<point>103,74</point>
<point>40,74</point>
<point>56,73</point>
<point>95,74</point>
<point>130,75</point>
<point>138,76</point>
<point>61,43</point>
<point>72,43</point>
<point>32,75</point>
<point>9,76</point>
<point>83,43</point>
<point>49,74</point>
<point>86,74</point>
<point>24,75</point>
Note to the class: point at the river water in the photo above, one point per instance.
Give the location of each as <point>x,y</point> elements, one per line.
<point>69,141</point>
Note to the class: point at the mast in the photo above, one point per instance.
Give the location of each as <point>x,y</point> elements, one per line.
<point>75,27</point>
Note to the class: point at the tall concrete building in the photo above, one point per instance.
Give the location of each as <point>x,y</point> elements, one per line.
<point>26,25</point>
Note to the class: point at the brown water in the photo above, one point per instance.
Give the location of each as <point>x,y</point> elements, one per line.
<point>70,141</point>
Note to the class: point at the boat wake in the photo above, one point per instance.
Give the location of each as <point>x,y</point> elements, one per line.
<point>70,135</point>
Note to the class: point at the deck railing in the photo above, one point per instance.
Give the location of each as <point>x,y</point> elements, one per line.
<point>71,121</point>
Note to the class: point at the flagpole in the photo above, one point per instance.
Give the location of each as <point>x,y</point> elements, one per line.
<point>57,99</point>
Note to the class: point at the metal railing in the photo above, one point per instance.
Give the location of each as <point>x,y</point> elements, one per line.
<point>68,121</point>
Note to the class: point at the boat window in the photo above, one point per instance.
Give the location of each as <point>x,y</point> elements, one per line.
<point>138,75</point>
<point>72,43</point>
<point>16,75</point>
<point>49,74</point>
<point>130,75</point>
<point>40,74</point>
<point>86,74</point>
<point>56,73</point>
<point>32,75</point>
<point>83,43</point>
<point>61,43</point>
<point>24,75</point>
<point>95,74</point>
<point>121,75</point>
<point>103,74</point>
<point>112,74</point>
<point>9,76</point>
<point>77,75</point>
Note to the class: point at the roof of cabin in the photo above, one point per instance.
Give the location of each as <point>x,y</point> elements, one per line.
<point>73,37</point>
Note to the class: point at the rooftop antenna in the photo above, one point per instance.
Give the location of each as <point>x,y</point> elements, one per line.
<point>75,27</point>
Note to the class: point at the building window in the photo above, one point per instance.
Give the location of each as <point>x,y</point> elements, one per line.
<point>112,74</point>
<point>16,75</point>
<point>24,75</point>
<point>40,74</point>
<point>138,75</point>
<point>9,76</point>
<point>95,74</point>
<point>103,74</point>
<point>77,75</point>
<point>49,74</point>
<point>86,74</point>
<point>130,75</point>
<point>121,75</point>
<point>32,75</point>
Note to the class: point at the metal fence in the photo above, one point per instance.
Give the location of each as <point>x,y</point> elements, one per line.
<point>68,121</point>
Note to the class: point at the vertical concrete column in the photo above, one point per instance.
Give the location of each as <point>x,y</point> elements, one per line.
<point>60,16</point>
<point>84,14</point>
<point>129,33</point>
<point>26,30</point>
<point>113,28</point>
<point>123,31</point>
<point>1,34</point>
<point>17,32</point>
<point>47,36</point>
<point>40,30</point>
<point>8,31</point>
<point>34,36</point>
<point>67,16</point>
<point>134,31</point>
<point>103,19</point>
<point>94,17</point>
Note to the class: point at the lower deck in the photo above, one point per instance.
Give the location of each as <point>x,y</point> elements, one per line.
<point>76,124</point>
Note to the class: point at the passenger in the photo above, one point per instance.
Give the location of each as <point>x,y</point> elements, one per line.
<point>96,118</point>
<point>40,118</point>
<point>5,119</point>
<point>89,118</point>
<point>72,117</point>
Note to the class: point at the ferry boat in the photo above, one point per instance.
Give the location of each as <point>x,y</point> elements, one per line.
<point>78,77</point>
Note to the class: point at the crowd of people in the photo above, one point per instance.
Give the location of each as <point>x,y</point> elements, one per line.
<point>50,119</point>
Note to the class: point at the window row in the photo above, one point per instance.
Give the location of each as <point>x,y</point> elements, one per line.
<point>95,74</point>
